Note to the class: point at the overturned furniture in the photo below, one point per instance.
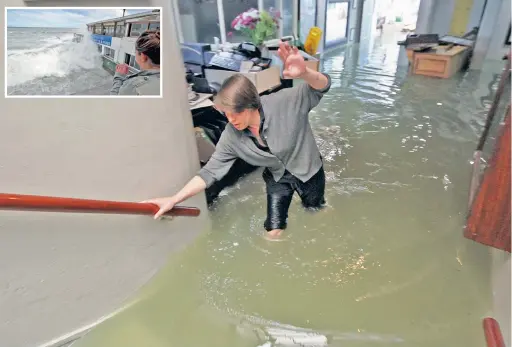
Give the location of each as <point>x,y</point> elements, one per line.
<point>429,55</point>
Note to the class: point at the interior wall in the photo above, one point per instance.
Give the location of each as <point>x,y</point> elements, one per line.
<point>454,17</point>
<point>461,16</point>
<point>477,11</point>
<point>353,20</point>
<point>368,20</point>
<point>491,35</point>
<point>61,271</point>
<point>435,16</point>
<point>425,14</point>
<point>359,20</point>
<point>442,17</point>
<point>497,48</point>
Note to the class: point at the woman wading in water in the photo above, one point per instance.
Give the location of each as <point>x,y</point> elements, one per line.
<point>272,132</point>
<point>147,80</point>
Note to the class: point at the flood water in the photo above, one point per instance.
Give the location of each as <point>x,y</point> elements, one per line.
<point>385,264</point>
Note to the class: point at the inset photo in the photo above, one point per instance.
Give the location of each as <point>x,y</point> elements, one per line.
<point>82,52</point>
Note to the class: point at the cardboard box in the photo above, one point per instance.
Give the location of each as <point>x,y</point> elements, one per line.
<point>313,64</point>
<point>263,80</point>
<point>440,62</point>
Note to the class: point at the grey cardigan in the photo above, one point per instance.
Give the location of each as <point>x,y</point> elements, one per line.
<point>286,131</point>
<point>142,83</point>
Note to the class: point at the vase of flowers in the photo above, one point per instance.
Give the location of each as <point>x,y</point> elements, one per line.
<point>257,26</point>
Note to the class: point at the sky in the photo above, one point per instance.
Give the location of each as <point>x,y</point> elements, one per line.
<point>62,18</point>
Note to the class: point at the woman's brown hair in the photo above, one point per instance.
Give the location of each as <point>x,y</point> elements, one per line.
<point>238,93</point>
<point>149,44</point>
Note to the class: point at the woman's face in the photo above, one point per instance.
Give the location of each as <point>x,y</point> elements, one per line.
<point>239,120</point>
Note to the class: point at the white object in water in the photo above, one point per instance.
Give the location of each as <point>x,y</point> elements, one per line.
<point>289,337</point>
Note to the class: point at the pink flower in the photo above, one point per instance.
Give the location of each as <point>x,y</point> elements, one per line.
<point>230,33</point>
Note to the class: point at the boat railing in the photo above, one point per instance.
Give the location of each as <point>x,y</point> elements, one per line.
<point>62,204</point>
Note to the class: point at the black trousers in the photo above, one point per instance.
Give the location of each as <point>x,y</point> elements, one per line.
<point>279,196</point>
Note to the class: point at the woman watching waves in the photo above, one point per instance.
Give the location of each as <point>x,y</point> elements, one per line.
<point>147,80</point>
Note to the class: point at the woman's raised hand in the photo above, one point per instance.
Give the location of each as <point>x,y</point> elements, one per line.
<point>294,63</point>
<point>122,69</point>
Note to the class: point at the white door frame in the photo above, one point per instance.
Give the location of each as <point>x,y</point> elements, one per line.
<point>222,22</point>
<point>296,19</point>
<point>177,19</point>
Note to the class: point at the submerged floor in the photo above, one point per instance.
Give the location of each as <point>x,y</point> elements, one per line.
<point>385,264</point>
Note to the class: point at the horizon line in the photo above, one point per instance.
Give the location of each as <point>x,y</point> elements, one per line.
<point>44,27</point>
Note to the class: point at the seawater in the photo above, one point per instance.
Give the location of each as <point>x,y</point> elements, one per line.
<point>46,61</point>
<point>385,264</point>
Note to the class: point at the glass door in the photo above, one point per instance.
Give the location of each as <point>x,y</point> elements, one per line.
<point>336,22</point>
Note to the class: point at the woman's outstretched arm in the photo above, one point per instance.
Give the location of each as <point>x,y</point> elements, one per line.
<point>193,187</point>
<point>315,79</point>
<point>119,87</point>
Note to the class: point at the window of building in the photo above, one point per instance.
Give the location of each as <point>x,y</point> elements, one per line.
<point>97,29</point>
<point>137,28</point>
<point>130,60</point>
<point>109,30</point>
<point>120,29</point>
<point>154,26</point>
<point>109,52</point>
<point>336,22</point>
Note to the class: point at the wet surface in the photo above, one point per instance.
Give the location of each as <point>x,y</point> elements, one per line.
<point>384,264</point>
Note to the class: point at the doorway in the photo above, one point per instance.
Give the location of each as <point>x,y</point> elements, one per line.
<point>336,22</point>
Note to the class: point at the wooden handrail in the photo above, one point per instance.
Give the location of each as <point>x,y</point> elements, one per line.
<point>475,176</point>
<point>488,220</point>
<point>492,332</point>
<point>59,204</point>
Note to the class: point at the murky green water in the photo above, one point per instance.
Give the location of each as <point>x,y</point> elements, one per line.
<point>385,264</point>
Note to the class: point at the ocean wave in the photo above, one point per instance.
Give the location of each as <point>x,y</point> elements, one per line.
<point>32,51</point>
<point>59,56</point>
<point>50,42</point>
